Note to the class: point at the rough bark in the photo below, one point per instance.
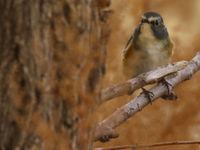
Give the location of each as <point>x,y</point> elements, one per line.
<point>51,65</point>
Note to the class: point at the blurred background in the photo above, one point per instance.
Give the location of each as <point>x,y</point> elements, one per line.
<point>164,120</point>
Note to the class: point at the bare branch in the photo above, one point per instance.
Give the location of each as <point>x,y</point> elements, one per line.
<point>135,146</point>
<point>135,105</point>
<point>150,77</point>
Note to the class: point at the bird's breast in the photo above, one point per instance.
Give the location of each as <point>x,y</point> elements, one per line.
<point>155,50</point>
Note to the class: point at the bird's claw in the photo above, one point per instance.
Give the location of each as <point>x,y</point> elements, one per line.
<point>171,95</point>
<point>167,84</point>
<point>148,94</point>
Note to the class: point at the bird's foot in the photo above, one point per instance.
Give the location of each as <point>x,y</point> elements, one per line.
<point>171,95</point>
<point>167,84</point>
<point>148,94</point>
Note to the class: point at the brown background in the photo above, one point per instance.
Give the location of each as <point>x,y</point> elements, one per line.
<point>164,120</point>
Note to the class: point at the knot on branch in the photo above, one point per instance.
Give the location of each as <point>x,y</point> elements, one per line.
<point>104,133</point>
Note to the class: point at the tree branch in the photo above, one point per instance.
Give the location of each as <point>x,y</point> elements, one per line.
<point>150,77</point>
<point>134,146</point>
<point>105,129</point>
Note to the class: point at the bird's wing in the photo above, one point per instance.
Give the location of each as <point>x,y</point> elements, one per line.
<point>130,45</point>
<point>128,49</point>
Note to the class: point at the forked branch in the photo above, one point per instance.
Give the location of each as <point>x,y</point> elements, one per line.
<point>105,129</point>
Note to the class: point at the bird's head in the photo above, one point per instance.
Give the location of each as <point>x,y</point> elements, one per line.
<point>152,18</point>
<point>152,22</point>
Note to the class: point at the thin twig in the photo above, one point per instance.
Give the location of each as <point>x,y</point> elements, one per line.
<point>105,129</point>
<point>134,146</point>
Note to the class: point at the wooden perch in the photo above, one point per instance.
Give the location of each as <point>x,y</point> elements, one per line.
<point>150,77</point>
<point>105,129</point>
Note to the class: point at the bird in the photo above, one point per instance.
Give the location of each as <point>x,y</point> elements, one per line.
<point>149,46</point>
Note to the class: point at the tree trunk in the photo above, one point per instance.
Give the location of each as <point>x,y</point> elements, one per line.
<point>52,56</point>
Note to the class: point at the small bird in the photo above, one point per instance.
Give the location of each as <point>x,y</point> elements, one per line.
<point>149,46</point>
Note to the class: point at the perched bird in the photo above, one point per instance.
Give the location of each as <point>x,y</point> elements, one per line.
<point>149,46</point>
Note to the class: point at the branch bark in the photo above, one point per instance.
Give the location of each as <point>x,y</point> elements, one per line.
<point>105,129</point>
<point>132,85</point>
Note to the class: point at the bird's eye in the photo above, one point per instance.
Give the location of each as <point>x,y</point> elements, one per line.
<point>156,23</point>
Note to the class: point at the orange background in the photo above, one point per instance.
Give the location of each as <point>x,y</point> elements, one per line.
<point>164,120</point>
